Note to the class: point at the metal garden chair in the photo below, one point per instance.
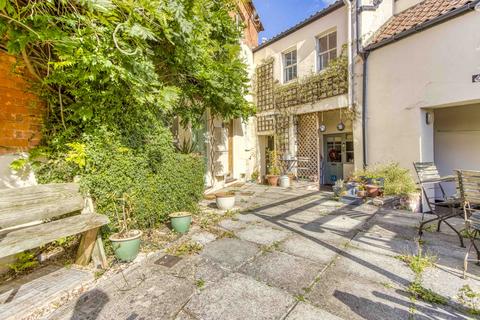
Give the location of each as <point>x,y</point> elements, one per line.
<point>469,183</point>
<point>439,203</point>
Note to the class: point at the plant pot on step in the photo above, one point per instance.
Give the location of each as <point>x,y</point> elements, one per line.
<point>225,200</point>
<point>181,221</point>
<point>372,190</point>
<point>126,245</point>
<point>272,180</point>
<point>362,193</point>
<point>284,181</point>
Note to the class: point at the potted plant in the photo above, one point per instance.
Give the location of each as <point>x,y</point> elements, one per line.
<point>362,193</point>
<point>126,242</point>
<point>274,169</point>
<point>225,200</point>
<point>338,188</point>
<point>373,190</point>
<point>181,221</point>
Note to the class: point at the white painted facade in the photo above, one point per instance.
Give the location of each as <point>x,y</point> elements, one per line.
<point>420,74</point>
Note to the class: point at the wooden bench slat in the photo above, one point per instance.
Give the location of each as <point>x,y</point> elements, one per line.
<point>15,216</point>
<point>37,194</point>
<point>12,242</point>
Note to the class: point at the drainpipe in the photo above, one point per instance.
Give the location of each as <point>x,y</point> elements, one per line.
<point>364,55</point>
<point>351,69</point>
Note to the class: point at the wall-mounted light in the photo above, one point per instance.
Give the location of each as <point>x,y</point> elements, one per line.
<point>322,127</point>
<point>341,126</point>
<point>428,117</point>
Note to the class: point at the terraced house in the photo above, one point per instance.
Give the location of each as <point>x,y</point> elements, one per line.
<point>405,88</point>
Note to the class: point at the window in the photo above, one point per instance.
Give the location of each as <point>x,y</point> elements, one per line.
<point>289,66</point>
<point>327,49</point>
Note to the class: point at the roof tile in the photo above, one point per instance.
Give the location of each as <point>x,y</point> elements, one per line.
<point>416,15</point>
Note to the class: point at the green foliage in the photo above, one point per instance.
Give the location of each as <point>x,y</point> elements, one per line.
<point>418,262</point>
<point>187,146</point>
<point>113,75</point>
<point>24,261</point>
<point>157,180</point>
<point>417,290</point>
<point>470,298</point>
<point>185,248</point>
<point>398,181</point>
<point>274,168</point>
<point>317,82</point>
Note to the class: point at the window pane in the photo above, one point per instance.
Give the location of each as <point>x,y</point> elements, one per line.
<point>332,40</point>
<point>333,54</point>
<point>323,61</point>
<point>294,56</point>
<point>323,44</point>
<point>294,72</point>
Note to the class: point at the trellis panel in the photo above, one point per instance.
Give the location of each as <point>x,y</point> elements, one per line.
<point>307,146</point>
<point>264,86</point>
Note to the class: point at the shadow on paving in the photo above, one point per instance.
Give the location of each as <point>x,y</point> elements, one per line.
<point>400,230</point>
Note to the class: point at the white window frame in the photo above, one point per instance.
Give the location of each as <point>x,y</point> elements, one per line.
<point>329,50</point>
<point>293,65</point>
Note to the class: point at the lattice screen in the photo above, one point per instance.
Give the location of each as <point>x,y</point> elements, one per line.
<point>307,146</point>
<point>265,124</point>
<point>264,84</point>
<point>282,126</point>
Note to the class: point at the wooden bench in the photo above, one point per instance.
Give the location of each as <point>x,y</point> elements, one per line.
<point>34,216</point>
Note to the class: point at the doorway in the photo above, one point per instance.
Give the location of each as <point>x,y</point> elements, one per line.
<point>338,157</point>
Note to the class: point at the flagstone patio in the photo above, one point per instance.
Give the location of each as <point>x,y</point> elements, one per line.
<point>294,254</point>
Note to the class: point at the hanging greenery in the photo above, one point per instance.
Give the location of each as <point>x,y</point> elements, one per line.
<point>113,74</point>
<point>330,82</point>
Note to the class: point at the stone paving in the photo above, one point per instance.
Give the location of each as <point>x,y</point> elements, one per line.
<point>294,254</point>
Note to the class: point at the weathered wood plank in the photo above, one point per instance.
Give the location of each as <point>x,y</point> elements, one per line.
<point>12,242</point>
<point>98,255</point>
<point>37,194</point>
<point>15,216</point>
<point>85,249</point>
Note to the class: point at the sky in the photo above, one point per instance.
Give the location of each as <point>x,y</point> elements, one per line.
<point>279,15</point>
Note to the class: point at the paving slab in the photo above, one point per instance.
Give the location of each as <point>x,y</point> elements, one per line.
<point>309,249</point>
<point>203,237</point>
<point>143,294</point>
<point>283,271</point>
<point>305,311</point>
<point>262,234</point>
<point>449,283</point>
<point>374,267</point>
<point>232,225</point>
<point>239,297</point>
<point>230,253</point>
<point>351,297</point>
<point>377,243</point>
<point>45,286</point>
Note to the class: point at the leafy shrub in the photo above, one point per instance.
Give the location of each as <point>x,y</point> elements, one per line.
<point>398,180</point>
<point>157,180</point>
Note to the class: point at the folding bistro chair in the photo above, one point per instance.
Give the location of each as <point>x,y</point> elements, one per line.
<point>469,183</point>
<point>439,203</point>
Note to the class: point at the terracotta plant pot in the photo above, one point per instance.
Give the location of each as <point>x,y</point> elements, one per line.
<point>372,190</point>
<point>272,180</point>
<point>362,193</point>
<point>225,200</point>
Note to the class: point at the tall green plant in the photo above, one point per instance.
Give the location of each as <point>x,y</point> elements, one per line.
<point>398,180</point>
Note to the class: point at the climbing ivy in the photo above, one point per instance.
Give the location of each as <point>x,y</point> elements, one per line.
<point>113,75</point>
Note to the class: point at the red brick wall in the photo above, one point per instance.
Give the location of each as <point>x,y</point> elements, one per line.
<point>250,34</point>
<point>20,111</point>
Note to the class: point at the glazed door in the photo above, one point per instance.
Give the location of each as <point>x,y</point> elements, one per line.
<point>333,152</point>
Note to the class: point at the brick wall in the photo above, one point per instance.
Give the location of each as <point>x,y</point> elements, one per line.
<point>20,111</point>
<point>247,12</point>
